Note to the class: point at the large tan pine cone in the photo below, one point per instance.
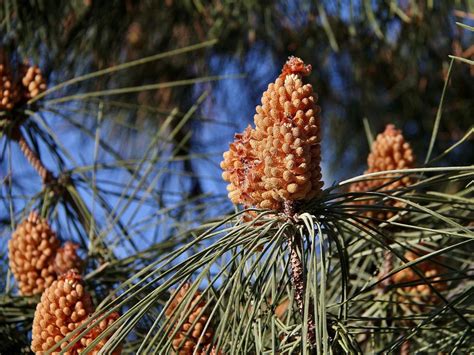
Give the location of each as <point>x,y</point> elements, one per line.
<point>64,306</point>
<point>31,253</point>
<point>415,298</point>
<point>190,336</point>
<point>9,92</point>
<point>279,160</point>
<point>389,152</point>
<point>33,81</point>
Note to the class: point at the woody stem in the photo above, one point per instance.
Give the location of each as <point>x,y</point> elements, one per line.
<point>299,282</point>
<point>405,348</point>
<point>45,175</point>
<point>386,268</point>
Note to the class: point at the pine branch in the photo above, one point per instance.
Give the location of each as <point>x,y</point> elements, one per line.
<point>32,158</point>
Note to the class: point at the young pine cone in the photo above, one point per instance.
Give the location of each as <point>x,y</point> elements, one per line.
<point>415,297</point>
<point>389,152</point>
<point>96,330</point>
<point>33,82</point>
<point>190,336</point>
<point>67,259</point>
<point>64,307</point>
<point>9,93</point>
<point>279,160</point>
<point>31,253</point>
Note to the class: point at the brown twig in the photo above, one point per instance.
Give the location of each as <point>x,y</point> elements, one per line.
<point>386,268</point>
<point>32,157</point>
<point>405,348</point>
<point>299,282</point>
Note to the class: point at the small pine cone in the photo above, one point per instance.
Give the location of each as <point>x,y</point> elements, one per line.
<point>389,152</point>
<point>413,298</point>
<point>63,307</point>
<point>9,93</point>
<point>279,160</point>
<point>95,332</point>
<point>33,82</point>
<point>186,339</point>
<point>31,253</point>
<point>67,259</point>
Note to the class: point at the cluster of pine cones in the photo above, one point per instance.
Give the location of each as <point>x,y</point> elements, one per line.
<point>278,161</point>
<point>389,152</point>
<point>192,337</point>
<point>20,88</point>
<point>41,265</point>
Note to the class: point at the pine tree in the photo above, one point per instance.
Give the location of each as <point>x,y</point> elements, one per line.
<point>114,245</point>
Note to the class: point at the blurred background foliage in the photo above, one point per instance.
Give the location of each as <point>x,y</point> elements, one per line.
<point>385,61</point>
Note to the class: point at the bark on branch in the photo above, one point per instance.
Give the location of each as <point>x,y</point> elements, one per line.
<point>299,282</point>
<point>45,175</point>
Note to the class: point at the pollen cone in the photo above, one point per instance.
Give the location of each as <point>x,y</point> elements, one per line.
<point>9,93</point>
<point>31,252</point>
<point>96,330</point>
<point>191,336</point>
<point>67,259</point>
<point>389,151</point>
<point>279,160</point>
<point>243,170</point>
<point>64,307</point>
<point>417,297</point>
<point>33,82</point>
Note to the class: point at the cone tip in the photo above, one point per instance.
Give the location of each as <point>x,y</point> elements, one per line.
<point>295,65</point>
